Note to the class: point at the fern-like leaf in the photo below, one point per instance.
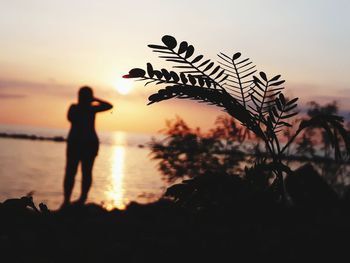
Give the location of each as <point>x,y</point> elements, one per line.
<point>264,93</point>
<point>211,96</point>
<point>239,72</point>
<point>279,114</point>
<point>204,70</point>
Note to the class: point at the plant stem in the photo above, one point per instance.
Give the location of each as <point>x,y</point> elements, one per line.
<point>291,140</point>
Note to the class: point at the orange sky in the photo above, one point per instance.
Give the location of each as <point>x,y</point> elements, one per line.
<point>51,48</point>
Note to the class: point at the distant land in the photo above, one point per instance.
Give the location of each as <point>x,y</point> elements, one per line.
<point>32,137</point>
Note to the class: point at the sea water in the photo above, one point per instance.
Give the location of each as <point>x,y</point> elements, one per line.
<point>123,170</point>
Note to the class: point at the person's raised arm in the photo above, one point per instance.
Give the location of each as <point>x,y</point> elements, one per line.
<point>102,105</point>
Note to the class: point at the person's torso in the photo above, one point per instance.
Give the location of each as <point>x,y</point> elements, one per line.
<point>82,124</point>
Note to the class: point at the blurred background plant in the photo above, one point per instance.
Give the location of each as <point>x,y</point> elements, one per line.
<point>186,152</point>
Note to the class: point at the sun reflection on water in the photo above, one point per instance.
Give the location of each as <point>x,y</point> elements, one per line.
<point>115,192</point>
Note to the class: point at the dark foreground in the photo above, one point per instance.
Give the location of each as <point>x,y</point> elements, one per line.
<point>241,231</point>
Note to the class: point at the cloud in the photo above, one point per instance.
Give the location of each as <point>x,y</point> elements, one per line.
<point>322,94</point>
<point>12,96</point>
<point>28,88</point>
<point>53,88</point>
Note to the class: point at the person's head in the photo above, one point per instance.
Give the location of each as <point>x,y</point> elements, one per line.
<point>85,95</point>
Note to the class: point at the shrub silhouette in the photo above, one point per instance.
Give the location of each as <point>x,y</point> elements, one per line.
<point>187,153</point>
<point>255,100</point>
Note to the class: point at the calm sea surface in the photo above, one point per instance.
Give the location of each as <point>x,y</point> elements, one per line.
<point>123,172</point>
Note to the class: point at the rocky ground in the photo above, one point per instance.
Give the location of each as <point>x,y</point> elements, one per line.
<point>168,232</point>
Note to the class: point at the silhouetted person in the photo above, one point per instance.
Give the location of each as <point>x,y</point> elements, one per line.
<point>82,142</point>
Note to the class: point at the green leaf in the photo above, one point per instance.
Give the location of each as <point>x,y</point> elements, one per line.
<point>169,41</point>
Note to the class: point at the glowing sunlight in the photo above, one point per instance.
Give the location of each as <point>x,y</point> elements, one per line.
<point>115,193</point>
<point>124,86</point>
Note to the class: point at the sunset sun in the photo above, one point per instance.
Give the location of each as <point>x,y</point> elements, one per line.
<point>124,86</point>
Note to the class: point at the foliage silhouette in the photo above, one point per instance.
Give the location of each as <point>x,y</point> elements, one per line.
<point>187,153</point>
<point>257,102</point>
<point>314,110</point>
<point>334,172</point>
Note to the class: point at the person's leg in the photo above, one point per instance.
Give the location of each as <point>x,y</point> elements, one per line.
<point>71,171</point>
<point>86,166</point>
